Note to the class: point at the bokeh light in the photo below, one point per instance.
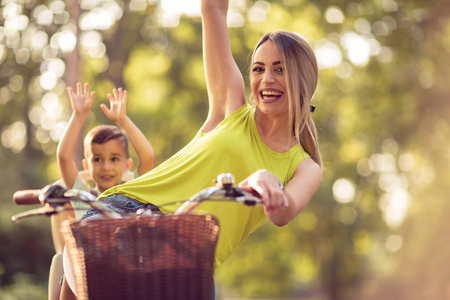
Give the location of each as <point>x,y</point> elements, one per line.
<point>38,40</point>
<point>346,215</point>
<point>66,40</point>
<point>57,66</point>
<point>334,15</point>
<point>358,48</point>
<point>394,205</point>
<point>6,94</point>
<point>16,83</point>
<point>344,69</point>
<point>328,54</point>
<point>43,15</point>
<point>362,26</point>
<point>57,7</point>
<point>343,190</point>
<point>389,5</point>
<point>406,162</point>
<point>258,11</point>
<point>235,19</point>
<point>394,243</point>
<point>48,80</point>
<point>35,114</point>
<point>14,136</point>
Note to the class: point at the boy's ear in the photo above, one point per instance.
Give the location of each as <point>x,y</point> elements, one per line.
<point>129,164</point>
<point>85,165</point>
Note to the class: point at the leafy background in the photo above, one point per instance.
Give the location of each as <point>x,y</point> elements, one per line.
<point>378,226</point>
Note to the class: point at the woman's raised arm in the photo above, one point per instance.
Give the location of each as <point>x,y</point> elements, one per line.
<point>225,84</point>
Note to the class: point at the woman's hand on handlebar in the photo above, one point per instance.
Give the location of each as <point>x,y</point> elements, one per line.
<point>267,185</point>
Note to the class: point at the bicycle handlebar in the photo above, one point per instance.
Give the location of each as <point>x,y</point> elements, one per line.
<point>220,193</point>
<point>47,194</point>
<point>26,197</point>
<point>54,197</point>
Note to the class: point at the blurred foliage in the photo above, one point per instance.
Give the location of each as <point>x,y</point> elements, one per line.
<point>23,288</point>
<point>377,227</point>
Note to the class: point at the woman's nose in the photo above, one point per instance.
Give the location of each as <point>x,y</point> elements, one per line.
<point>268,77</point>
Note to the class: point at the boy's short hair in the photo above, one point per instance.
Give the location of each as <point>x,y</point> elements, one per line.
<point>102,134</point>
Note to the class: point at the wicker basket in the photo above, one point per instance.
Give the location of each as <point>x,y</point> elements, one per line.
<point>145,257</point>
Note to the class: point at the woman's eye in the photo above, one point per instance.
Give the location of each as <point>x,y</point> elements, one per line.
<point>279,70</point>
<point>257,69</point>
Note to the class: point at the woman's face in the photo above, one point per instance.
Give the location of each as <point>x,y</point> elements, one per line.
<point>267,80</point>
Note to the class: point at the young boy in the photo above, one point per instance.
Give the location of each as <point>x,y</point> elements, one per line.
<point>106,160</point>
<point>105,147</point>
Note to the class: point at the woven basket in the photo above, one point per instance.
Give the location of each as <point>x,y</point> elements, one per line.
<point>145,257</point>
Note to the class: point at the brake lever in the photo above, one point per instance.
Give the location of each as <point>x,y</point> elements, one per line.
<point>54,196</point>
<point>247,198</point>
<point>44,210</point>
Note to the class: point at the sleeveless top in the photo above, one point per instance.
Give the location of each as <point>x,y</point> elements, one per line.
<point>234,146</point>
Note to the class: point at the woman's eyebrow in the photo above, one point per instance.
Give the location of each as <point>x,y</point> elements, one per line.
<point>263,64</point>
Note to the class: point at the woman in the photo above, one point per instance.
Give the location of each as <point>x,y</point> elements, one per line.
<point>266,146</point>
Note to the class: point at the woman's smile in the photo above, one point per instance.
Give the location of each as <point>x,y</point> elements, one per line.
<point>270,95</point>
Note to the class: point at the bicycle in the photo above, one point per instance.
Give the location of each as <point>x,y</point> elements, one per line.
<point>143,255</point>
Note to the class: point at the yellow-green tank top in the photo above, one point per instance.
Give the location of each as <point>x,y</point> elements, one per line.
<point>234,146</point>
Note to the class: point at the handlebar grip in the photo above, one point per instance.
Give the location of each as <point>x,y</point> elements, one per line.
<point>39,196</point>
<point>27,197</point>
<point>252,202</point>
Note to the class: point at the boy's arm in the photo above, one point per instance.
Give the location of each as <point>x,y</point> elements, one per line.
<point>81,103</point>
<point>117,113</point>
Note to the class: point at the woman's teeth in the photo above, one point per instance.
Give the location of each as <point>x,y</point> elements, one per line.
<point>270,95</point>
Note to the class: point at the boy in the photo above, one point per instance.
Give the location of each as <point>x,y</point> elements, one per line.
<point>105,159</point>
<point>105,147</point>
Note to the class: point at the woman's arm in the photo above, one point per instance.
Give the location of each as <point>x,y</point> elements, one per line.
<point>282,206</point>
<point>225,84</point>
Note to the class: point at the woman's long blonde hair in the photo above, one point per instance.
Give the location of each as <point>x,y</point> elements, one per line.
<point>302,75</point>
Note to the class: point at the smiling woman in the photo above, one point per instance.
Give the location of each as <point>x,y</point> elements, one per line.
<point>284,70</point>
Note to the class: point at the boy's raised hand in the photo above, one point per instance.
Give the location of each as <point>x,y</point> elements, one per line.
<point>81,101</point>
<point>117,111</point>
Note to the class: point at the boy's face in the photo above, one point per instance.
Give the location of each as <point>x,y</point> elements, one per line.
<point>106,163</point>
